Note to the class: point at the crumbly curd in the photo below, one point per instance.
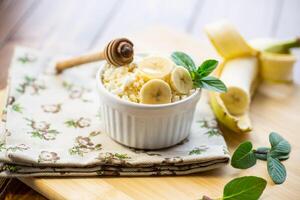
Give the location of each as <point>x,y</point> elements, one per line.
<point>126,83</point>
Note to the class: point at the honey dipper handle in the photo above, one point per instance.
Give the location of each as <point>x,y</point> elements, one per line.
<point>65,64</point>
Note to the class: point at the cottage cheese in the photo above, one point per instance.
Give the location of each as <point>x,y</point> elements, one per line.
<point>126,83</point>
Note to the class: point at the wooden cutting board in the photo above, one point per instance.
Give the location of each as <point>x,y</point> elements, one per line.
<point>273,109</point>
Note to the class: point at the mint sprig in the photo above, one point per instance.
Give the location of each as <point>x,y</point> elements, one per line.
<point>247,187</point>
<point>200,74</point>
<point>261,153</point>
<point>245,157</point>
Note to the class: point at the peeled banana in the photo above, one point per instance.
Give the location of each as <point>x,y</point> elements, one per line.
<point>240,123</point>
<point>227,40</point>
<point>238,74</point>
<point>181,80</point>
<point>238,71</point>
<point>155,91</point>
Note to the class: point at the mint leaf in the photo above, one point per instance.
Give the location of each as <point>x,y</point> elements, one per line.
<point>212,83</point>
<point>261,153</point>
<point>247,187</point>
<point>261,156</point>
<point>282,157</point>
<point>243,157</point>
<point>280,147</point>
<point>207,67</point>
<point>276,170</point>
<point>200,76</point>
<point>184,60</point>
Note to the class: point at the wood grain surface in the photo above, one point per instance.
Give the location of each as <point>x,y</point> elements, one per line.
<point>74,27</point>
<point>273,109</point>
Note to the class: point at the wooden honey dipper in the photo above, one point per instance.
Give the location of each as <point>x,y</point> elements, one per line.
<point>117,52</point>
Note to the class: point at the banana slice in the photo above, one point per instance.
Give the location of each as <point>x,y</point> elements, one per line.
<point>180,80</point>
<point>155,67</point>
<point>227,40</point>
<point>236,100</point>
<point>155,91</point>
<point>239,75</point>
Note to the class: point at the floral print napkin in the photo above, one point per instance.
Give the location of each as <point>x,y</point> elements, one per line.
<point>51,127</point>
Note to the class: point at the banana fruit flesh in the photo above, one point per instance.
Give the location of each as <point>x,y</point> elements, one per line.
<point>275,59</point>
<point>238,74</point>
<point>156,91</point>
<point>277,67</point>
<point>227,40</point>
<point>181,81</point>
<point>153,67</point>
<point>238,124</point>
<point>162,75</point>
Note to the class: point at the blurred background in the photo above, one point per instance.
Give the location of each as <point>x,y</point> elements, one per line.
<point>76,26</point>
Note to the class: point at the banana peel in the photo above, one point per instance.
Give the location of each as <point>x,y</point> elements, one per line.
<point>238,124</point>
<point>227,40</point>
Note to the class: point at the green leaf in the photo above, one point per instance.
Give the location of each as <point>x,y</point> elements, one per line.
<point>265,156</point>
<point>243,157</point>
<point>261,156</point>
<point>280,147</point>
<point>200,76</point>
<point>212,83</point>
<point>261,153</point>
<point>263,150</point>
<point>283,157</point>
<point>207,67</point>
<point>184,60</point>
<point>247,187</point>
<point>276,170</point>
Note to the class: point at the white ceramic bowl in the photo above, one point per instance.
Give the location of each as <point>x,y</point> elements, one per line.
<point>145,126</point>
